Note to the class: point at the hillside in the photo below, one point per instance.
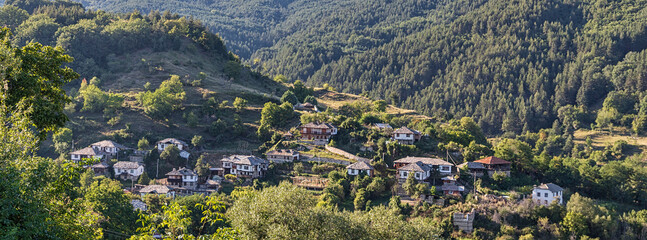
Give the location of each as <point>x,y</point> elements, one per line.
<point>509,64</point>
<point>125,55</point>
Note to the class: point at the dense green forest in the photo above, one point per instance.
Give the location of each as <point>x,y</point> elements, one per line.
<point>512,65</point>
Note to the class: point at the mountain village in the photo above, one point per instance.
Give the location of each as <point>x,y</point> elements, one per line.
<point>441,178</point>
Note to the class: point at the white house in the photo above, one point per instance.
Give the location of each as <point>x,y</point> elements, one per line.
<point>246,166</point>
<point>547,193</point>
<point>360,167</point>
<point>109,147</point>
<point>282,155</point>
<point>421,171</point>
<point>128,170</point>
<point>87,152</point>
<point>443,167</point>
<point>405,135</point>
<point>183,177</point>
<point>161,145</point>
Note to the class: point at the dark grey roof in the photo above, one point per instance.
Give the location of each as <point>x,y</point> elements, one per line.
<point>173,172</point>
<point>360,165</point>
<point>172,141</point>
<point>318,125</point>
<point>127,165</point>
<point>108,143</point>
<point>472,165</point>
<point>245,160</point>
<point>425,160</point>
<point>551,187</point>
<point>416,167</point>
<point>282,152</point>
<point>406,130</point>
<point>86,151</point>
<point>187,172</point>
<point>99,165</point>
<point>159,189</point>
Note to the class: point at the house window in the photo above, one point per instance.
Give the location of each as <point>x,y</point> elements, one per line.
<point>545,194</point>
<point>417,175</point>
<point>545,201</point>
<point>408,135</point>
<point>131,171</point>
<point>538,194</point>
<point>405,173</point>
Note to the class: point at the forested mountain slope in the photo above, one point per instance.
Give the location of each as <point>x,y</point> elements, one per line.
<point>510,64</point>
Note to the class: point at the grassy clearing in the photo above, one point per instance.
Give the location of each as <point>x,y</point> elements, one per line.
<point>335,100</point>
<point>325,154</point>
<point>601,139</point>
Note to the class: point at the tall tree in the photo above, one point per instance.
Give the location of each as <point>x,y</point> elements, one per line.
<point>36,74</point>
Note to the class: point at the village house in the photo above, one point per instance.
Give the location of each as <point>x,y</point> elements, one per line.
<point>162,144</point>
<point>108,146</point>
<point>287,136</point>
<point>450,187</point>
<point>245,166</point>
<point>282,155</point>
<point>100,168</point>
<point>495,164</point>
<point>158,190</point>
<point>184,178</point>
<point>545,194</point>
<point>473,168</point>
<point>444,168</point>
<point>319,133</point>
<point>405,135</point>
<point>421,171</point>
<point>84,153</point>
<point>128,170</point>
<point>181,145</point>
<point>360,167</point>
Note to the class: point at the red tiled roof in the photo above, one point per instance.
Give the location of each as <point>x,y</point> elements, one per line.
<point>492,161</point>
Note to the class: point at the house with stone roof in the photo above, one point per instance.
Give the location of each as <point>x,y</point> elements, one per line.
<point>451,187</point>
<point>547,193</point>
<point>245,166</point>
<point>128,170</point>
<point>102,149</point>
<point>319,133</point>
<point>473,168</point>
<point>108,146</point>
<point>405,135</point>
<point>419,170</point>
<point>282,155</point>
<point>360,167</point>
<point>100,168</point>
<point>88,152</point>
<point>158,190</point>
<point>442,166</point>
<point>163,144</point>
<point>183,177</point>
